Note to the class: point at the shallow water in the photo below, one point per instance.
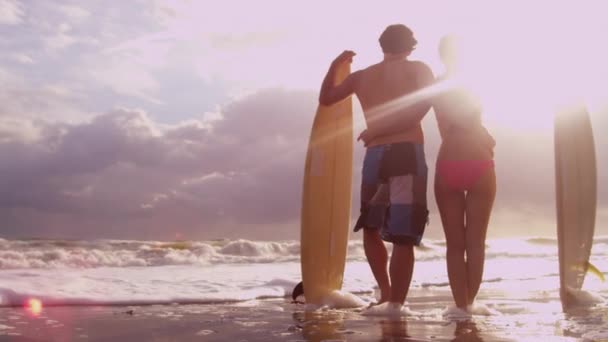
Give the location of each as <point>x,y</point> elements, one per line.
<point>520,281</point>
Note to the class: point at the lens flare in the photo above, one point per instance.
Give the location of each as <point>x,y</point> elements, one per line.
<point>34,306</point>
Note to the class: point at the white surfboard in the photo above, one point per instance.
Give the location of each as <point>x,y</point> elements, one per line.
<point>576,195</point>
<point>326,198</point>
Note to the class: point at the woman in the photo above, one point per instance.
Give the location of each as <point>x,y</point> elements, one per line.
<point>465,182</point>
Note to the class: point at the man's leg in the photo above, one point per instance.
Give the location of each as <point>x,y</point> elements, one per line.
<point>374,203</point>
<point>406,172</point>
<point>377,257</point>
<point>401,269</point>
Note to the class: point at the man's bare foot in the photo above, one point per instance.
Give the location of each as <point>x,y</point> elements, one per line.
<point>381,301</point>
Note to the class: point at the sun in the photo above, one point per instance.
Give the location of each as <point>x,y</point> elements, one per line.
<point>524,69</point>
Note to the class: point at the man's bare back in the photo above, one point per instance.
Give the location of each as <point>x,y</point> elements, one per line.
<point>383,90</point>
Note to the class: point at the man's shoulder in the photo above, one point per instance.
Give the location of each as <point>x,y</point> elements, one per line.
<point>360,74</point>
<point>420,66</point>
<point>370,68</point>
<point>424,74</point>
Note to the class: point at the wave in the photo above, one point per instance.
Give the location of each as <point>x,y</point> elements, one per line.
<point>112,253</point>
<point>553,240</point>
<point>446,284</point>
<point>275,288</point>
<point>11,298</point>
<point>543,241</point>
<point>52,254</point>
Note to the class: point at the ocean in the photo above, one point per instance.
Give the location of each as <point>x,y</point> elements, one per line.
<point>521,276</point>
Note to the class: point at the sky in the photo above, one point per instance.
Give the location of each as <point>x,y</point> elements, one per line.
<point>174,119</point>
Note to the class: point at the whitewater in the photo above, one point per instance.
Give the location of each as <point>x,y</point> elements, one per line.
<point>127,272</point>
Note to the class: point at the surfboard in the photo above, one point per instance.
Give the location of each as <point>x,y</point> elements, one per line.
<point>576,198</point>
<point>326,198</point>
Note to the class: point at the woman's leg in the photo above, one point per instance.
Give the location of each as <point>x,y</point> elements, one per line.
<point>479,202</point>
<point>451,204</point>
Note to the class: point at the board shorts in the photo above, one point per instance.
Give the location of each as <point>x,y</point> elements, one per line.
<point>393,192</point>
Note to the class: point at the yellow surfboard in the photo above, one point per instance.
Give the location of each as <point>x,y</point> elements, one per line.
<point>576,195</point>
<point>326,198</point>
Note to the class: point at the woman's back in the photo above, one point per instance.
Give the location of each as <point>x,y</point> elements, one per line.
<point>458,114</point>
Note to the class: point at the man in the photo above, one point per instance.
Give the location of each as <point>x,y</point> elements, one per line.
<point>394,180</point>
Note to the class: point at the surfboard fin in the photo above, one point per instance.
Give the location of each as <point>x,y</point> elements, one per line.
<point>297,291</point>
<point>590,268</point>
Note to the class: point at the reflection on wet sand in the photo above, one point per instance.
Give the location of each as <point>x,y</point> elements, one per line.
<point>394,330</point>
<point>321,325</point>
<point>466,331</point>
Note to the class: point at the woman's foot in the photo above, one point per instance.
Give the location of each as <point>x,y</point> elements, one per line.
<point>381,295</point>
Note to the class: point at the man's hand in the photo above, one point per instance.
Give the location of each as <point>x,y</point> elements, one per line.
<point>346,56</point>
<point>366,136</point>
<point>332,93</point>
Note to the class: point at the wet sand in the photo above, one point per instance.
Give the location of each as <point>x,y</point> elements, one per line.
<point>266,320</point>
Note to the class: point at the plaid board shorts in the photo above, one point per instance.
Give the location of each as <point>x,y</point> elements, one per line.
<point>393,192</point>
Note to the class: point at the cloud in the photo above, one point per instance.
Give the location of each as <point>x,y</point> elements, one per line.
<point>25,99</point>
<point>127,77</point>
<point>61,39</point>
<point>122,168</point>
<point>63,63</point>
<point>122,174</point>
<point>11,12</point>
<point>22,58</point>
<point>76,13</point>
<point>65,41</point>
<point>67,172</point>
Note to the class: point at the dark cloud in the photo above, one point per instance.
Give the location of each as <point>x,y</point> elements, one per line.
<point>122,168</point>
<point>122,174</point>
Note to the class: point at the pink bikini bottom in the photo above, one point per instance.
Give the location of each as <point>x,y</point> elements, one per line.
<point>462,174</point>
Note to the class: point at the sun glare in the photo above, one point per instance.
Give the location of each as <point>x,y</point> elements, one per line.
<point>524,71</point>
<point>34,306</point>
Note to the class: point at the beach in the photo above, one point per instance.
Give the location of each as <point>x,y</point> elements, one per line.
<point>280,320</point>
<point>239,290</point>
